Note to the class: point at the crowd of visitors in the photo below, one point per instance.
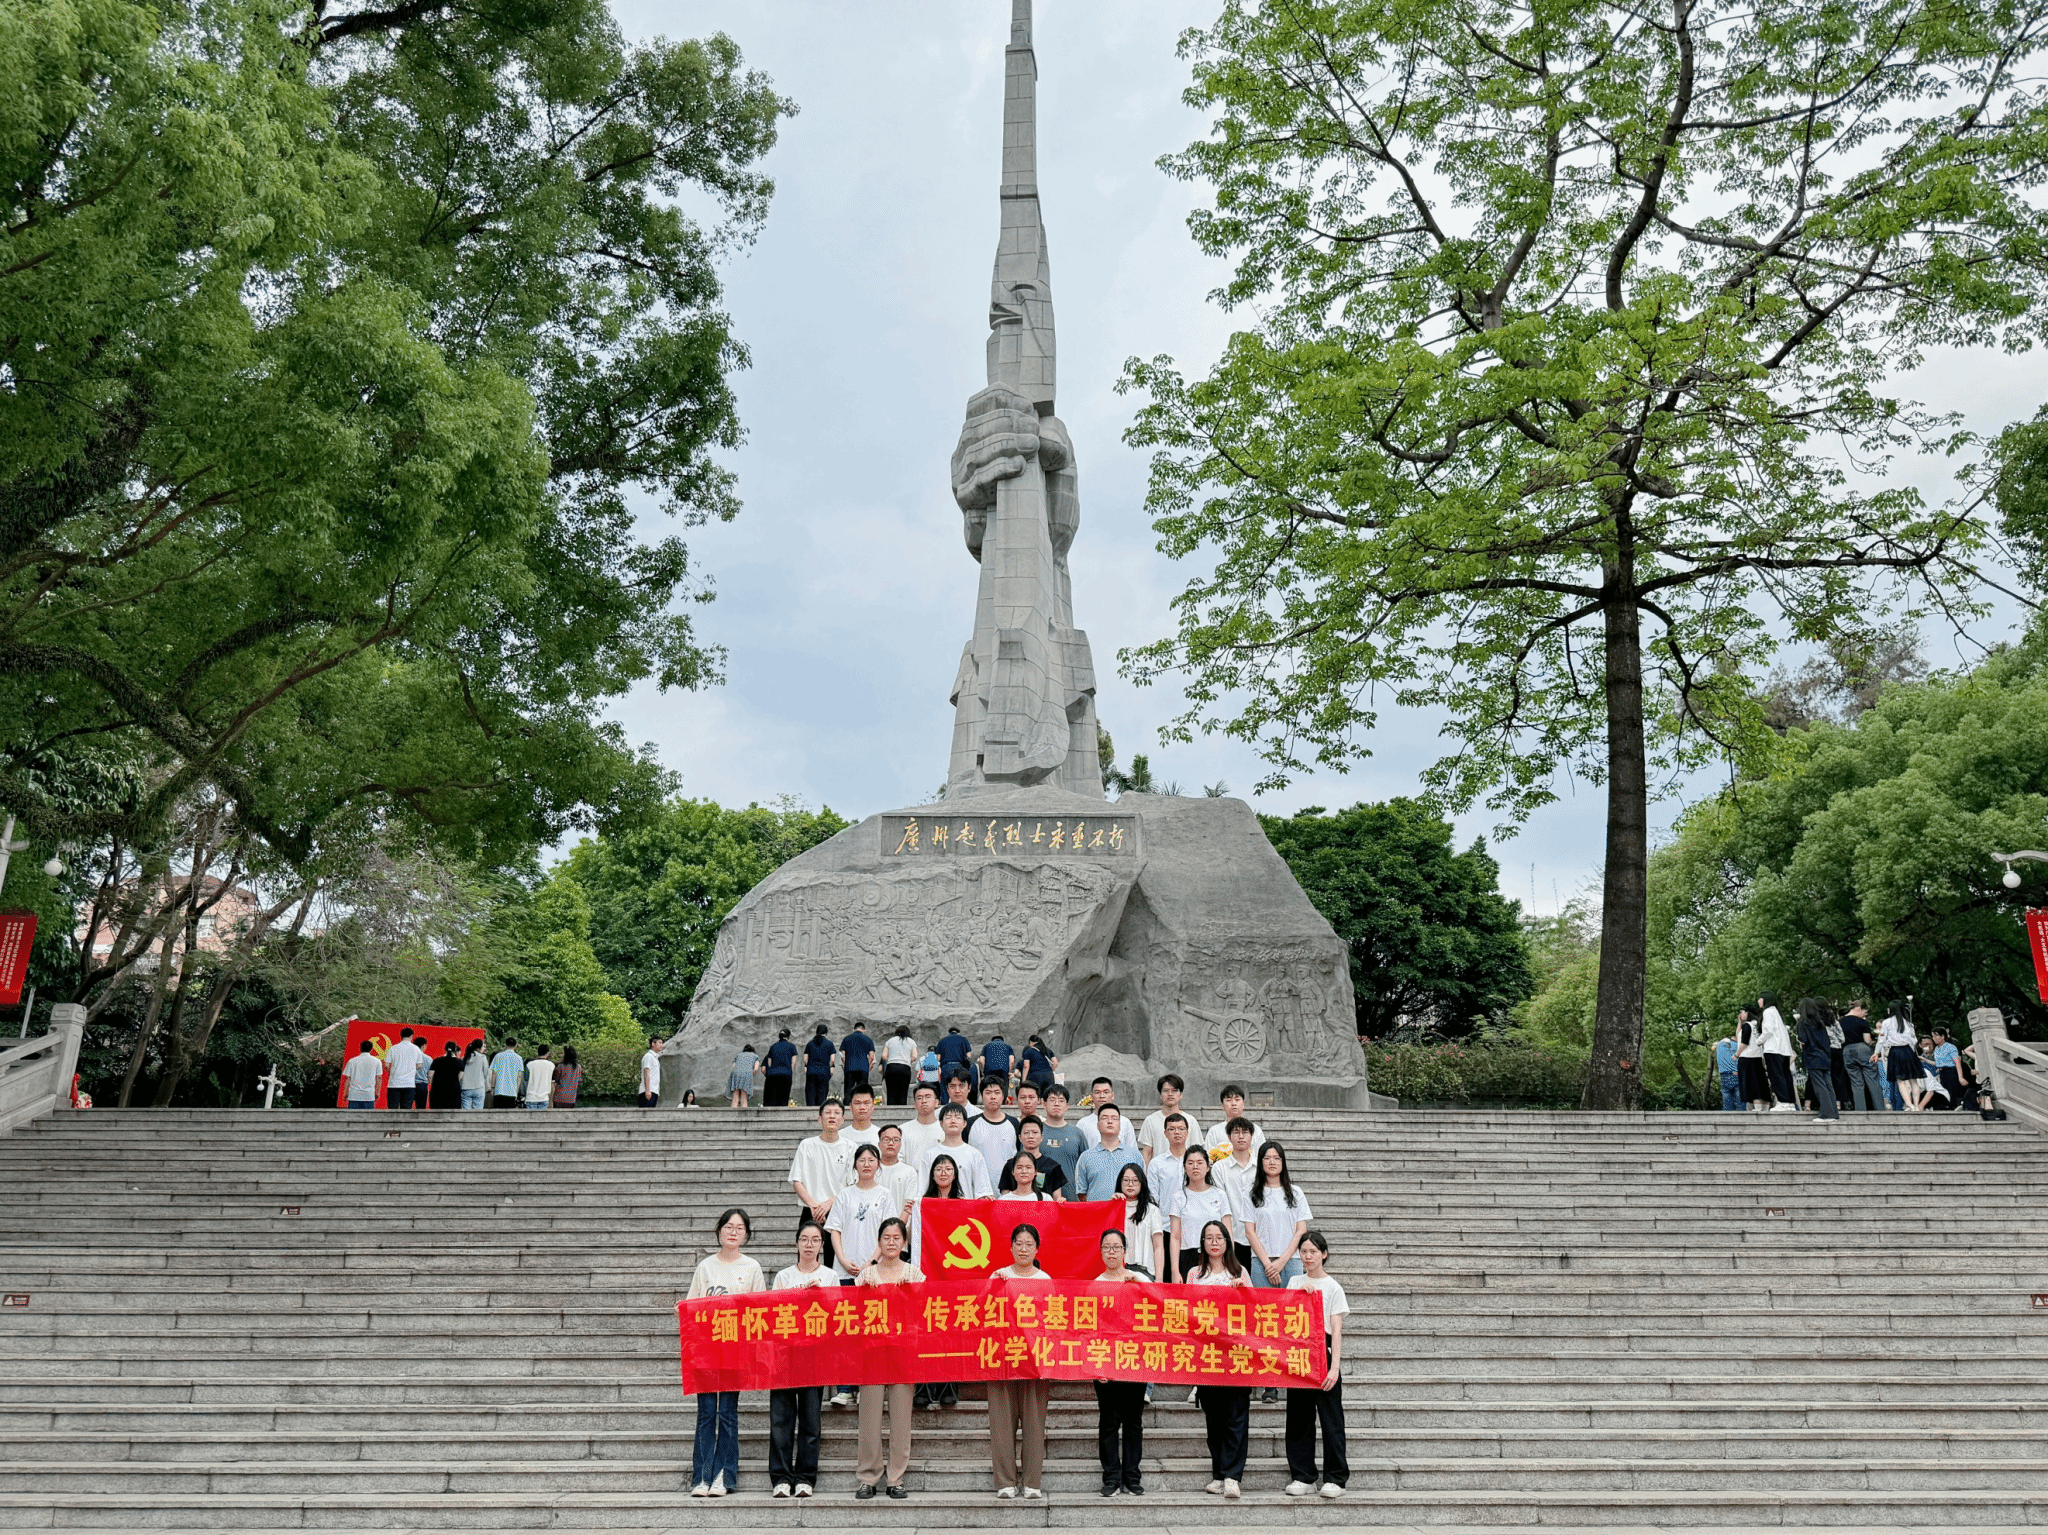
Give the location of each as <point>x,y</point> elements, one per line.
<point>904,1065</point>
<point>1842,1061</point>
<point>996,1127</point>
<point>468,1078</point>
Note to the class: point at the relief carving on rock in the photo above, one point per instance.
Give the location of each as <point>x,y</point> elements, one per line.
<point>1266,1004</point>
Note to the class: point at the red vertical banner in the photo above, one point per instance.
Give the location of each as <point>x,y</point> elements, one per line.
<point>2037,940</point>
<point>17,937</point>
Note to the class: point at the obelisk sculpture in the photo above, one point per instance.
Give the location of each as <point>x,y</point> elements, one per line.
<point>1024,697</point>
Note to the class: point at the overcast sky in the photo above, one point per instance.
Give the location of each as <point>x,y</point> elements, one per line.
<point>844,591</point>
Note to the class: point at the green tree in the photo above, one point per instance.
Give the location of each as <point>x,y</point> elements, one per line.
<point>1571,316</point>
<point>658,891</point>
<point>1430,936</point>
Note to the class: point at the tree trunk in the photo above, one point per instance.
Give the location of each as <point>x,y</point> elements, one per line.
<point>156,1009</point>
<point>1614,1076</point>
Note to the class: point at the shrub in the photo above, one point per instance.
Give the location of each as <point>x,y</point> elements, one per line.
<point>1531,1076</point>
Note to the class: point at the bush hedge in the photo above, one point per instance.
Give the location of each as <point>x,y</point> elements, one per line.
<point>1530,1076</point>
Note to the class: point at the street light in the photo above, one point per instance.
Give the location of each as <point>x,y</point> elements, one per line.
<point>2012,875</point>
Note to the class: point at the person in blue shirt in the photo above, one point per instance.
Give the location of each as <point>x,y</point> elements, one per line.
<point>1724,1063</point>
<point>856,1053</point>
<point>996,1057</point>
<point>506,1071</point>
<point>778,1067</point>
<point>1948,1063</point>
<point>1039,1064</point>
<point>818,1058</point>
<point>953,1051</point>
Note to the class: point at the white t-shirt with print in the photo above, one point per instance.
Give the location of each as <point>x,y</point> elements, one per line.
<point>1197,1207</point>
<point>822,1167</point>
<point>714,1276</point>
<point>794,1278</point>
<point>856,1221</point>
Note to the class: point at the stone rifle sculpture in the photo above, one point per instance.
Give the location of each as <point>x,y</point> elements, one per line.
<point>1165,931</point>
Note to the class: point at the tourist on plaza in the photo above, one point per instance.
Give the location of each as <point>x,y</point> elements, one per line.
<point>739,1082</point>
<point>794,1412</point>
<point>1040,1065</point>
<point>1934,1093</point>
<point>857,1055</point>
<point>992,1132</point>
<point>971,1166</point>
<point>1217,1141</point>
<point>507,1071</point>
<point>921,1134</point>
<point>648,1090</point>
<point>1016,1408</point>
<point>1749,1063</point>
<point>422,1074</point>
<point>688,1100</point>
<point>954,1051</point>
<point>476,1074</point>
<point>1777,1048</point>
<point>1144,1230</point>
<point>1165,1171</point>
<point>1119,1404</point>
<point>362,1073</point>
<point>777,1069</point>
<point>930,1068</point>
<point>996,1059</point>
<point>568,1079</point>
<point>822,1166</point>
<point>1226,1410</point>
<point>819,1057</point>
<point>1898,1045</point>
<point>444,1079</point>
<point>1061,1141</point>
<point>896,1175</point>
<point>1309,1407</point>
<point>540,1080</point>
<point>1866,1082</point>
<point>1724,1065</point>
<point>715,1463</point>
<point>899,1065</point>
<point>887,1268</point>
<point>1052,1179</point>
<point>1816,1043</point>
<point>1948,1066</point>
<point>1200,1203</point>
<point>1152,1134</point>
<point>401,1063</point>
<point>1096,1173</point>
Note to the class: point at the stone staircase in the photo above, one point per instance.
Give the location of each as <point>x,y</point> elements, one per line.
<point>322,1321</point>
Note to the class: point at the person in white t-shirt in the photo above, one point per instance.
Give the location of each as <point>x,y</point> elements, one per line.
<point>899,1065</point>
<point>1144,1229</point>
<point>858,1213</point>
<point>923,1132</point>
<point>540,1080</point>
<point>1165,1170</point>
<point>1199,1203</point>
<point>794,1412</point>
<point>363,1073</point>
<point>975,1182</point>
<point>402,1062</point>
<point>1234,1174</point>
<point>821,1168</point>
<point>1152,1134</point>
<point>650,1075</point>
<point>992,1132</point>
<point>1226,1410</point>
<point>860,1128</point>
<point>1308,1408</point>
<point>1275,1215</point>
<point>715,1465</point>
<point>1218,1138</point>
<point>895,1175</point>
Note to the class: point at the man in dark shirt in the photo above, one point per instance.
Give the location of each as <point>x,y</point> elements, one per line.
<point>818,1058</point>
<point>996,1057</point>
<point>779,1065</point>
<point>857,1053</point>
<point>953,1051</point>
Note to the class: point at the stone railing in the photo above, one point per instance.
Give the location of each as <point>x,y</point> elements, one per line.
<point>2018,1073</point>
<point>35,1074</point>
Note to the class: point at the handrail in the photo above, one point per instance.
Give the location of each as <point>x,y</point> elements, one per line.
<point>31,1088</point>
<point>2017,1072</point>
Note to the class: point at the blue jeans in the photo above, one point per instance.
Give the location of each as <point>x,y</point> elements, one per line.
<point>1287,1271</point>
<point>718,1440</point>
<point>362,1103</point>
<point>537,1106</point>
<point>472,1097</point>
<point>1731,1094</point>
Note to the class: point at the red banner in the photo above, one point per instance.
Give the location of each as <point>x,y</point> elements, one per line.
<point>17,937</point>
<point>430,1037</point>
<point>2037,940</point>
<point>1188,1335</point>
<point>969,1239</point>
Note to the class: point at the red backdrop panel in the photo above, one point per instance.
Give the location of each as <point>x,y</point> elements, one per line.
<point>965,1239</point>
<point>382,1036</point>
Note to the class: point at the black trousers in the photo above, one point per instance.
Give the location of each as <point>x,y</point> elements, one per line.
<point>1780,1069</point>
<point>803,1215</point>
<point>398,1097</point>
<point>816,1088</point>
<point>793,1434</point>
<point>1306,1411</point>
<point>1120,1431</point>
<point>1227,1412</point>
<point>775,1090</point>
<point>855,1079</point>
<point>504,1101</point>
<point>1821,1083</point>
<point>896,1082</point>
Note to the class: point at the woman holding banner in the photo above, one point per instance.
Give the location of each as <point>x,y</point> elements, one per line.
<point>1199,1202</point>
<point>793,1412</point>
<point>715,1463</point>
<point>1016,1408</point>
<point>1226,1410</point>
<point>1120,1404</point>
<point>888,1267</point>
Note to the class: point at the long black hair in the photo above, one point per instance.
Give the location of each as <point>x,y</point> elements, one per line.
<point>931,1184</point>
<point>1259,1177</point>
<point>1007,1184</point>
<point>1230,1263</point>
<point>1144,1188</point>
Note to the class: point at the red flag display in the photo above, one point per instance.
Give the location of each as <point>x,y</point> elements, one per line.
<point>1189,1335</point>
<point>430,1037</point>
<point>2037,940</point>
<point>969,1239</point>
<point>17,937</point>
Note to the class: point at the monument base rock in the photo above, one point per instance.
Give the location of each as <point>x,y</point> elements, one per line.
<point>1164,929</point>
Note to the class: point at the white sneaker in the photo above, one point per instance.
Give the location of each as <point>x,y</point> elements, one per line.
<point>715,1490</point>
<point>1299,1489</point>
<point>1006,1492</point>
<point>1332,1490</point>
<point>843,1399</point>
<point>700,1491</point>
<point>1230,1488</point>
<point>803,1489</point>
<point>1033,1492</point>
<point>781,1490</point>
<point>1213,1487</point>
<point>1783,1108</point>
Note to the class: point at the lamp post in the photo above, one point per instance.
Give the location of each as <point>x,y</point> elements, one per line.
<point>9,847</point>
<point>2012,875</point>
<point>270,1084</point>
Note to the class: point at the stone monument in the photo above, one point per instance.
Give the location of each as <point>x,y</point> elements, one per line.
<point>1160,929</point>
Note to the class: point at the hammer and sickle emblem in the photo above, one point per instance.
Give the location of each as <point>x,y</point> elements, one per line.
<point>977,1252</point>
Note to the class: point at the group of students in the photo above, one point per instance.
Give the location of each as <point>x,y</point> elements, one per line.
<point>904,1064</point>
<point>414,1079</point>
<point>1849,1062</point>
